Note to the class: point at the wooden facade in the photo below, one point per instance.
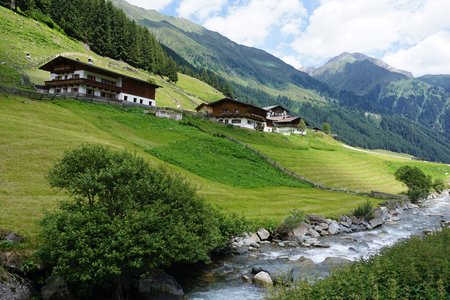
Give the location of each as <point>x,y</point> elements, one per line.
<point>76,77</point>
<point>230,111</point>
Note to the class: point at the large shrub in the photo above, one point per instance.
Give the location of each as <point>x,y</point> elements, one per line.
<point>125,218</point>
<point>419,184</point>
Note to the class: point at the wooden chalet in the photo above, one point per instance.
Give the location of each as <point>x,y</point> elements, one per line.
<point>236,113</point>
<point>70,76</point>
<point>279,120</point>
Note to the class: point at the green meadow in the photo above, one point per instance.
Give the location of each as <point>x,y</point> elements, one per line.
<point>34,134</point>
<point>324,160</point>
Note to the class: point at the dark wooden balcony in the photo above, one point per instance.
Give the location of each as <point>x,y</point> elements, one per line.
<point>88,82</point>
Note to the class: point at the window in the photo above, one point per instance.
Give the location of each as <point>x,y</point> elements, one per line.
<point>76,76</point>
<point>249,122</point>
<point>65,76</point>
<point>236,111</point>
<point>90,92</point>
<point>58,77</point>
<point>106,81</point>
<point>58,91</point>
<point>236,121</point>
<point>125,98</point>
<point>103,94</point>
<point>75,90</point>
<point>64,90</point>
<point>220,120</point>
<point>224,111</point>
<point>141,101</point>
<point>134,100</point>
<point>90,77</point>
<point>226,121</point>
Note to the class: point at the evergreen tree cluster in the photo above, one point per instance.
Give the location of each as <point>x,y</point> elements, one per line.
<point>107,30</point>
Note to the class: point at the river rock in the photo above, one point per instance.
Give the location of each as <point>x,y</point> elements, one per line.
<point>305,269</point>
<point>247,240</point>
<point>263,279</point>
<point>331,262</point>
<point>247,279</point>
<point>279,272</point>
<point>300,232</point>
<point>159,285</point>
<point>14,287</point>
<point>324,233</point>
<point>345,229</point>
<point>316,219</point>
<point>313,233</point>
<point>263,234</point>
<point>320,245</point>
<point>376,222</point>
<point>55,288</point>
<point>346,219</point>
<point>239,250</point>
<point>333,228</point>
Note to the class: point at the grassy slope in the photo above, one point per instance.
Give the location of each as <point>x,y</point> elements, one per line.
<point>324,160</point>
<point>21,35</point>
<point>35,134</point>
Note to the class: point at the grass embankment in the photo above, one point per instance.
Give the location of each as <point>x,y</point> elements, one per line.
<point>35,134</point>
<point>21,35</point>
<point>324,160</point>
<point>413,269</point>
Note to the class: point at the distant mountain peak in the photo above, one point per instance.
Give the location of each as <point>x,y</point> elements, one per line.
<point>347,57</point>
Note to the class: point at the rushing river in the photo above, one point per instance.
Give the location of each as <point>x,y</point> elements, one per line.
<point>222,280</point>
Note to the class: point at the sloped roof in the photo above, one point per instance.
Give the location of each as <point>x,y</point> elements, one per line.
<point>229,100</point>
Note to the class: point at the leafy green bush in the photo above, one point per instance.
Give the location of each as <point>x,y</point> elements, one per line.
<point>419,184</point>
<point>418,268</point>
<point>291,222</point>
<point>125,219</point>
<point>364,211</point>
<point>439,185</point>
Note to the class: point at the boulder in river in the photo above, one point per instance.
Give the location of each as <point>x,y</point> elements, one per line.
<point>312,233</point>
<point>263,279</point>
<point>159,285</point>
<point>305,269</point>
<point>376,222</point>
<point>279,272</point>
<point>335,262</point>
<point>263,234</point>
<point>14,287</point>
<point>300,231</point>
<point>333,228</point>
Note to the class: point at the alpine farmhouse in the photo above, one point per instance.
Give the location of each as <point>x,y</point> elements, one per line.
<point>70,76</point>
<point>269,119</point>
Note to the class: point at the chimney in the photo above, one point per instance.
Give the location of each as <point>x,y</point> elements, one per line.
<point>90,61</point>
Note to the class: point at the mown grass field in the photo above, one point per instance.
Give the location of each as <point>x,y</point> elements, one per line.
<point>21,35</point>
<point>34,134</point>
<point>324,160</point>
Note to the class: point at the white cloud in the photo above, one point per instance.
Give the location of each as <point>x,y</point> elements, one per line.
<point>251,23</point>
<point>153,4</point>
<point>369,26</point>
<point>293,61</point>
<point>199,8</point>
<point>430,56</point>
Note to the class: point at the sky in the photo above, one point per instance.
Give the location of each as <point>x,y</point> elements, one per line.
<point>412,35</point>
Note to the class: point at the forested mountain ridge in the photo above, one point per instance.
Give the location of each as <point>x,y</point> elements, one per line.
<point>366,84</point>
<point>246,66</point>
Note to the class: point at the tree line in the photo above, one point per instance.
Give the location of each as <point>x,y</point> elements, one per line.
<point>106,29</point>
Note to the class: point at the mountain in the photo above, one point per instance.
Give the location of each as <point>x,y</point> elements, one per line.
<point>439,80</point>
<point>357,73</point>
<point>371,85</point>
<point>240,64</point>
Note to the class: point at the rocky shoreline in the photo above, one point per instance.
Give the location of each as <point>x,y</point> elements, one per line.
<point>309,234</point>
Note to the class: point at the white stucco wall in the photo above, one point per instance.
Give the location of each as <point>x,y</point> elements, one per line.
<point>245,123</point>
<point>131,98</point>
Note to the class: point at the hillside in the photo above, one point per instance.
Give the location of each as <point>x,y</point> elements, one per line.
<point>438,80</point>
<point>365,83</point>
<point>22,35</point>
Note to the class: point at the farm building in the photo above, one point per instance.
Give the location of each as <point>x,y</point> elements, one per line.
<point>69,76</point>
